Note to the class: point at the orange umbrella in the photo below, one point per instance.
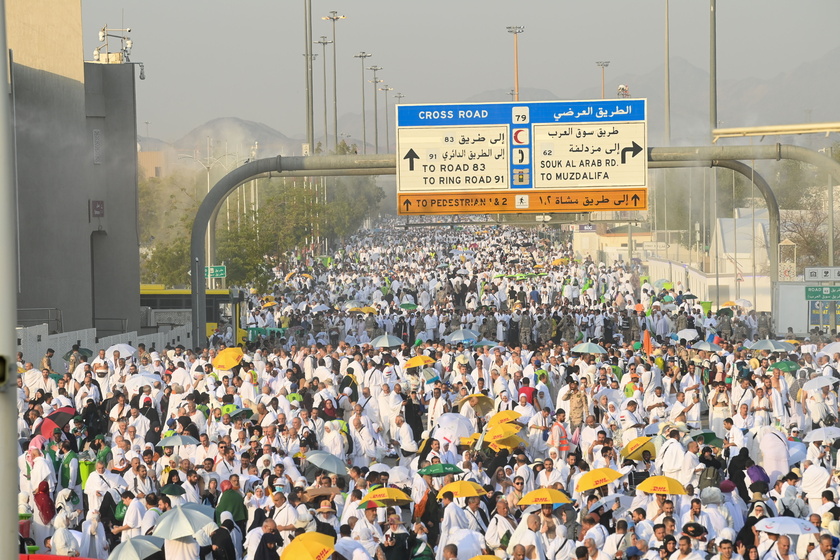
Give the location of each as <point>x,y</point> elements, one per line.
<point>420,361</point>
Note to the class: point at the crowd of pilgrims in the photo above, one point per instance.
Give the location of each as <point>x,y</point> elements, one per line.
<point>727,424</point>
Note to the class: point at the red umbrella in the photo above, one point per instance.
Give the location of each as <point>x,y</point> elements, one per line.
<point>57,419</point>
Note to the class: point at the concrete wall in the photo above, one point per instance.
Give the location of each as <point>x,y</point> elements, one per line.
<point>60,246</point>
<point>114,243</point>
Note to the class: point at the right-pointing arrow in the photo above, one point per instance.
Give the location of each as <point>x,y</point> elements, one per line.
<point>635,149</point>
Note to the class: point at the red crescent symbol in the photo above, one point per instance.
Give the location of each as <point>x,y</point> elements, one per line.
<point>516,136</point>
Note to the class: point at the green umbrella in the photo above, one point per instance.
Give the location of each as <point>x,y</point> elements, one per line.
<point>409,306</point>
<point>440,469</point>
<point>689,296</point>
<point>725,311</point>
<point>707,436</point>
<point>83,351</point>
<point>173,490</point>
<point>786,366</point>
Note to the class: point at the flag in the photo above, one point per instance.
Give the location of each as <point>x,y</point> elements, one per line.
<point>647,344</point>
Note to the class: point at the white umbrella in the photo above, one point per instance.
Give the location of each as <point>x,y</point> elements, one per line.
<point>688,334</point>
<point>461,335</point>
<point>707,346</point>
<point>743,302</point>
<point>819,382</point>
<point>137,548</point>
<point>772,345</point>
<point>140,380</point>
<point>386,341</point>
<point>381,468</point>
<point>180,522</point>
<point>828,433</point>
<point>399,476</point>
<point>124,349</point>
<point>589,348</point>
<point>831,349</point>
<point>320,307</point>
<point>327,462</point>
<point>451,427</point>
<point>797,452</point>
<point>786,526</point>
<point>624,502</point>
<point>178,439</point>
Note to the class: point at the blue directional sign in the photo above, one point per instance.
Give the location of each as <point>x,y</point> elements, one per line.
<point>493,147</point>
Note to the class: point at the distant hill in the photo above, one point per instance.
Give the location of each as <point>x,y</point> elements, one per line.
<point>806,94</point>
<point>233,135</point>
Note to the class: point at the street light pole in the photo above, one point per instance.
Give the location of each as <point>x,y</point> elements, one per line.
<point>333,17</point>
<point>323,42</point>
<point>667,75</point>
<point>307,26</point>
<point>362,56</point>
<point>375,81</point>
<point>386,89</point>
<point>603,64</point>
<point>516,30</point>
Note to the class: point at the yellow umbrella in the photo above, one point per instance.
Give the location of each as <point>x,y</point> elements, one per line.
<point>228,358</point>
<point>503,417</point>
<point>309,546</point>
<point>355,310</point>
<point>389,497</point>
<point>483,406</point>
<point>468,441</point>
<point>307,276</point>
<point>463,489</point>
<point>268,298</point>
<point>597,478</point>
<point>637,446</point>
<point>419,361</point>
<point>661,485</point>
<point>508,443</point>
<point>269,304</point>
<point>501,432</point>
<point>544,496</point>
<point>729,304</point>
<point>485,557</point>
<point>369,309</point>
<point>289,275</point>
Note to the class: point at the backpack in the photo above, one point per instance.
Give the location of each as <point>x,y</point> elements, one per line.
<point>709,477</point>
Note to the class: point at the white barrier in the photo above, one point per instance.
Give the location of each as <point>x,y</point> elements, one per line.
<point>34,341</point>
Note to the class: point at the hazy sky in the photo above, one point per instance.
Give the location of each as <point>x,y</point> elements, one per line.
<point>206,59</point>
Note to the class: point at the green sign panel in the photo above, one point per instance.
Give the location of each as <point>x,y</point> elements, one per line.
<point>215,271</point>
<point>820,293</point>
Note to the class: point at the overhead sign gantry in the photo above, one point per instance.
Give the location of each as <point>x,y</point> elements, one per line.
<point>520,157</point>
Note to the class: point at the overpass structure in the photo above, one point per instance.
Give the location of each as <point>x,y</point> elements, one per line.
<point>730,157</point>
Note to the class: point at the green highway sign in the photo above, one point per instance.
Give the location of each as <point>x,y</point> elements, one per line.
<point>215,271</point>
<point>819,293</point>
